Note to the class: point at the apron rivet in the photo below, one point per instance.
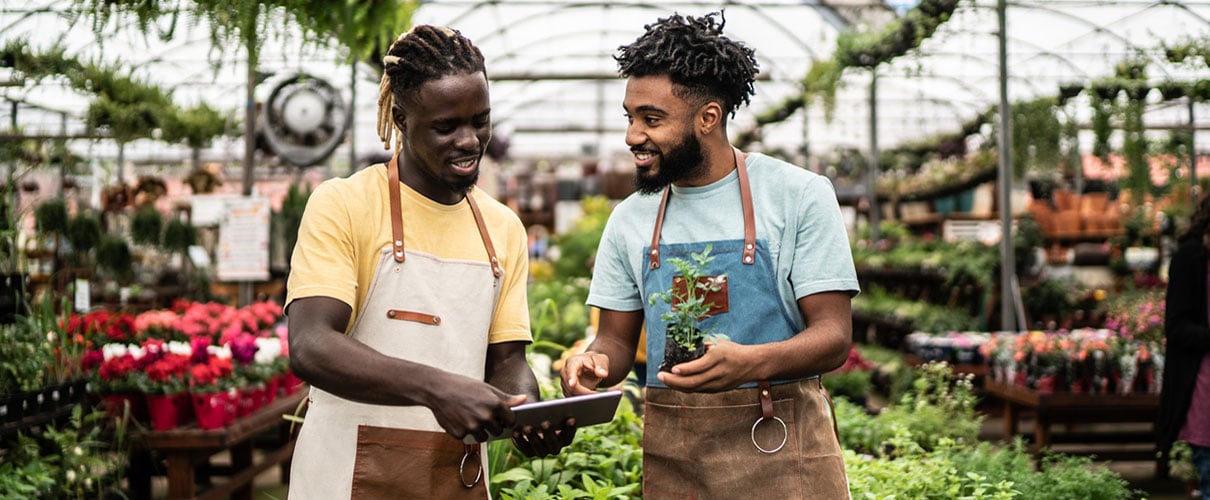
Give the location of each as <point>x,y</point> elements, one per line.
<point>749,246</point>
<point>396,268</point>
<point>436,320</point>
<point>764,393</point>
<point>390,314</point>
<point>398,243</point>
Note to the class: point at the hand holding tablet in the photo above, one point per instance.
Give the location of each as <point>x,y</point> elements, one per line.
<point>587,409</point>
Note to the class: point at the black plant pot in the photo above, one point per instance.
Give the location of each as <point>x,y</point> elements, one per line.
<point>12,297</point>
<point>675,354</point>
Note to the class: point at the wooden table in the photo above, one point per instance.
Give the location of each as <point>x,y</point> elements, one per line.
<point>185,447</point>
<point>1071,409</point>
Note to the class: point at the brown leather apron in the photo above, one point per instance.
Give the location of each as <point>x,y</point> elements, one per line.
<point>774,440</point>
<point>427,310</point>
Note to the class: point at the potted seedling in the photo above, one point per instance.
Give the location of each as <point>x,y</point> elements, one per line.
<point>688,296</point>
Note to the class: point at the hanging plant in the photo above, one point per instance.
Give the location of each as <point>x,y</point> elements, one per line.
<point>197,126</point>
<point>1067,92</point>
<point>83,232</point>
<point>1102,129</point>
<point>202,181</point>
<point>1134,148</point>
<point>113,256</point>
<point>51,216</point>
<point>146,225</point>
<point>1036,131</point>
<point>179,236</point>
<point>1171,90</point>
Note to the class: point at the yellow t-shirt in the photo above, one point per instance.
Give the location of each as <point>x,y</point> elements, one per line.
<point>347,223</point>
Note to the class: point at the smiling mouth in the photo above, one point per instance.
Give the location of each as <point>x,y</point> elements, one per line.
<point>644,159</point>
<point>465,166</point>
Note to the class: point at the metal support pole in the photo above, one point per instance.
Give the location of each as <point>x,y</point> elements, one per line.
<point>245,287</point>
<point>1007,271</point>
<point>872,174</point>
<point>63,163</point>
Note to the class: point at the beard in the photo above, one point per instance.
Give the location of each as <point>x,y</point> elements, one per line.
<point>682,161</point>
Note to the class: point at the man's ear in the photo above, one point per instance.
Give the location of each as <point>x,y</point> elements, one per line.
<point>399,117</point>
<point>709,118</point>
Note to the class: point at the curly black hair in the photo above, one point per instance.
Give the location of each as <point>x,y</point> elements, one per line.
<point>700,61</point>
<point>421,55</point>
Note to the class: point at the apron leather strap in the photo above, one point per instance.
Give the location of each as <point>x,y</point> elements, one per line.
<point>397,219</point>
<point>745,196</point>
<point>396,211</point>
<point>659,224</point>
<point>766,399</point>
<point>487,240</point>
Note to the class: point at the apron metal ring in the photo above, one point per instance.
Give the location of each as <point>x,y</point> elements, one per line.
<point>462,476</point>
<point>785,434</point>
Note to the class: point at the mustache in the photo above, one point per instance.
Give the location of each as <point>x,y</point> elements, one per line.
<point>640,149</point>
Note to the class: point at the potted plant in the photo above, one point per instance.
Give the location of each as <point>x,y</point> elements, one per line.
<point>687,295</point>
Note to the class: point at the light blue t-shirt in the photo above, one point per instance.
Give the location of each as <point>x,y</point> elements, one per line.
<point>797,216</point>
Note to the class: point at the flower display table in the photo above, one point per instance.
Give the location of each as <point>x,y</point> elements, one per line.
<point>1068,408</point>
<point>185,447</point>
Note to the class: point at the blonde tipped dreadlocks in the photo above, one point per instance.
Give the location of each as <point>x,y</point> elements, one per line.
<point>423,54</point>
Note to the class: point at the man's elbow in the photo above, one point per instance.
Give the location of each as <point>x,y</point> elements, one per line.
<point>838,351</point>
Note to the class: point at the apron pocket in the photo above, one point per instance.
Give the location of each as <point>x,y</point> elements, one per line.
<point>679,440</point>
<point>404,463</point>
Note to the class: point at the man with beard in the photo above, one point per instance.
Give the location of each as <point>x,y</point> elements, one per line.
<point>413,341</point>
<point>750,415</point>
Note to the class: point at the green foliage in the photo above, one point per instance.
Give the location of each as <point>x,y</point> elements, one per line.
<point>1102,129</point>
<point>981,471</point>
<point>690,306</point>
<point>821,83</point>
<point>286,221</point>
<point>72,461</point>
<point>578,245</point>
<point>939,406</point>
<point>146,225</point>
<point>362,27</point>
<point>25,355</point>
<point>179,236</point>
<point>1050,297</point>
<point>604,461</point>
<point>1036,131</point>
<point>558,316</point>
<point>113,256</point>
<point>870,49</point>
<point>51,216</point>
<point>852,384</point>
<point>84,232</point>
<point>196,126</point>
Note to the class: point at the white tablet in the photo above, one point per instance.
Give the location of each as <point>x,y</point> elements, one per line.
<point>588,409</point>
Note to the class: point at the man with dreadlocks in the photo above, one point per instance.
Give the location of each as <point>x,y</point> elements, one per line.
<point>413,340</point>
<point>750,415</point>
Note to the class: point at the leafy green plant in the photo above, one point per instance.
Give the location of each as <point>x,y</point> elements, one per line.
<point>179,236</point>
<point>578,245</point>
<point>287,220</point>
<point>604,461</point>
<point>689,306</point>
<point>51,216</point>
<point>84,232</point>
<point>851,384</point>
<point>939,406</point>
<point>146,225</point>
<point>25,357</point>
<point>113,256</point>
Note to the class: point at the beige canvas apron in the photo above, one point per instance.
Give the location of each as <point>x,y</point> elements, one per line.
<point>427,310</point>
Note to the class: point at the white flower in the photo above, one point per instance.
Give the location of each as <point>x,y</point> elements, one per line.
<point>181,348</point>
<point>137,351</point>
<point>267,350</point>
<point>71,476</point>
<point>50,336</point>
<point>110,351</point>
<point>78,451</point>
<point>223,352</point>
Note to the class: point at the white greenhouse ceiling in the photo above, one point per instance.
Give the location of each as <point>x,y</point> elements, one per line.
<point>555,93</point>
